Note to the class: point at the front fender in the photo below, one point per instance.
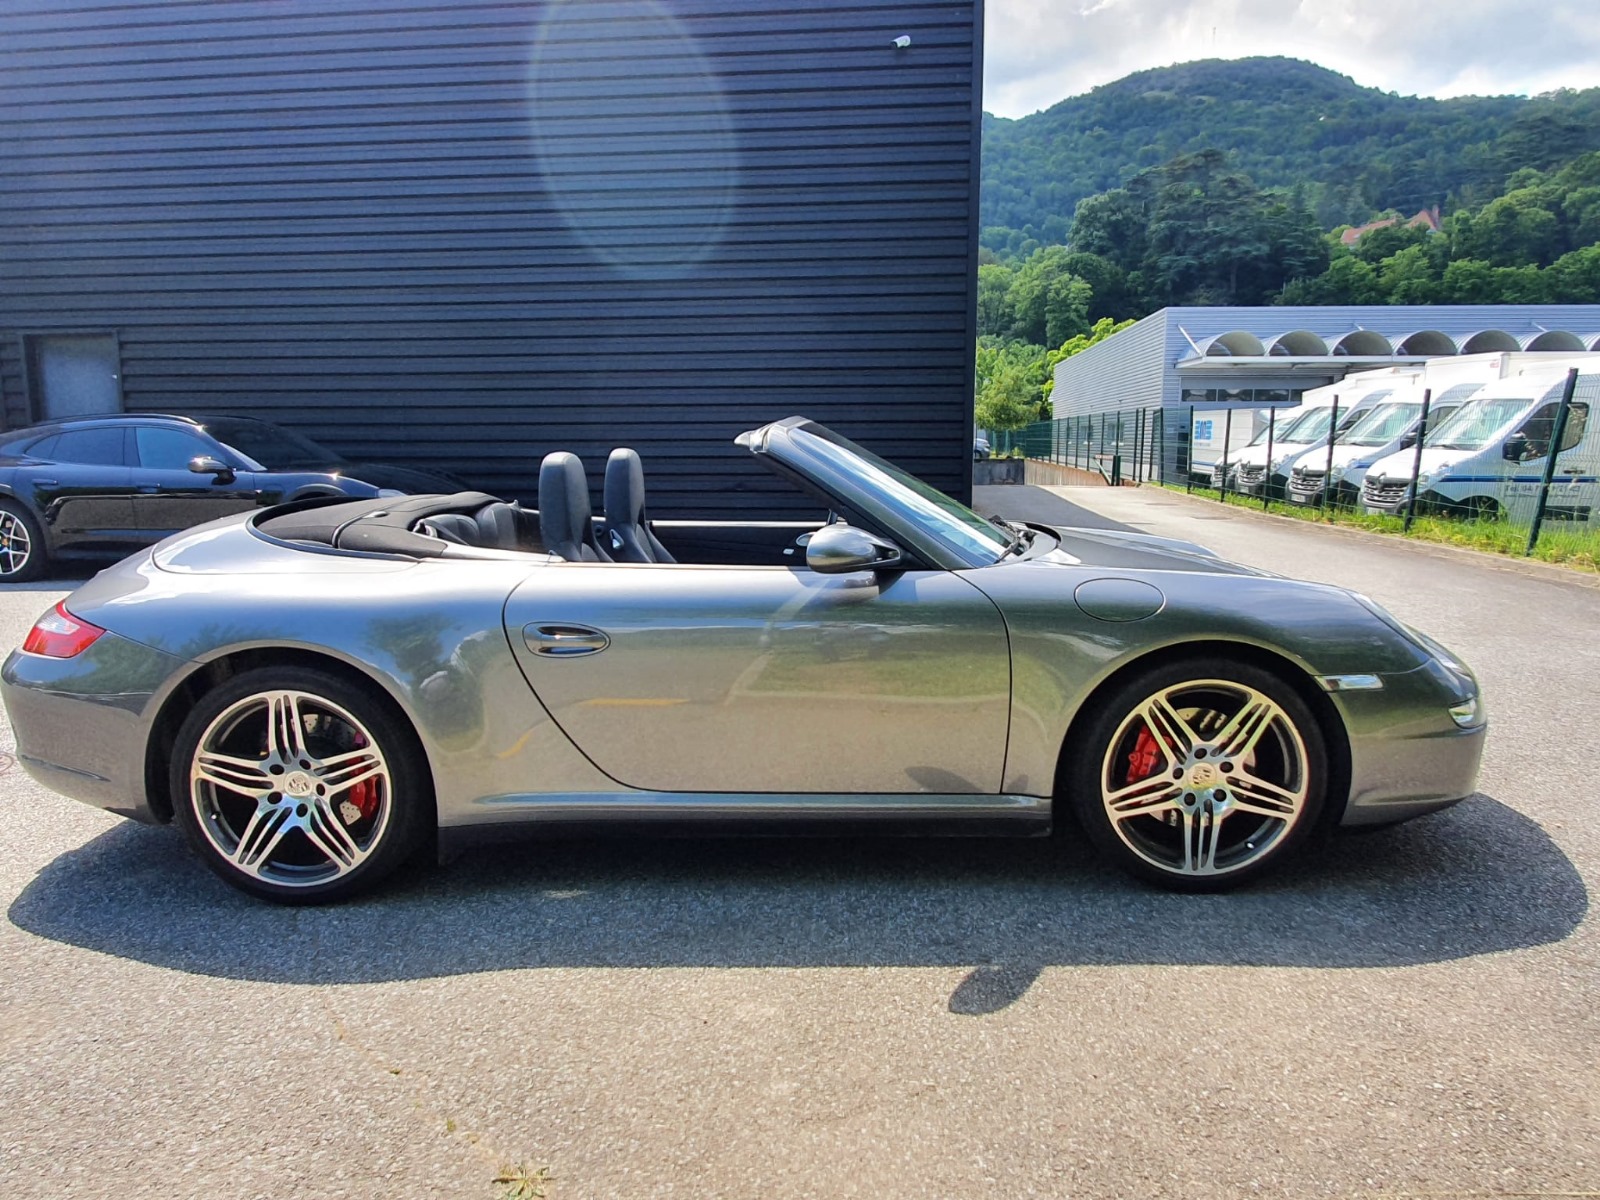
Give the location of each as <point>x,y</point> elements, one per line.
<point>1060,655</point>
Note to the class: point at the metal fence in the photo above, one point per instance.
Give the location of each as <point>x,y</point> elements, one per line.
<point>1478,472</point>
<point>1122,447</point>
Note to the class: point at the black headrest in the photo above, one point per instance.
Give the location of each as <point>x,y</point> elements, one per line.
<point>564,519</point>
<point>624,491</point>
<point>628,528</point>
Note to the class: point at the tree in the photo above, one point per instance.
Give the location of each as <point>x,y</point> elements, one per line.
<point>1111,225</point>
<point>1005,401</point>
<point>1378,244</point>
<point>1409,277</point>
<point>996,313</point>
<point>1048,301</point>
<point>1574,278</point>
<point>1113,293</point>
<point>1514,230</point>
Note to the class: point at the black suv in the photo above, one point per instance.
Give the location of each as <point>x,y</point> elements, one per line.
<point>92,485</point>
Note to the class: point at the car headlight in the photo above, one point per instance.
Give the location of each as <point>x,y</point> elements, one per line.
<point>1360,464</point>
<point>1423,481</point>
<point>1335,475</point>
<point>389,493</point>
<point>1467,714</point>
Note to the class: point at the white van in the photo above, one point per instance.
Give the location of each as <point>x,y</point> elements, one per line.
<point>1308,436</point>
<point>1252,457</point>
<point>1490,456</point>
<point>1390,424</point>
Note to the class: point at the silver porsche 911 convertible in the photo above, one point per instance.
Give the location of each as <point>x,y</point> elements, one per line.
<point>318,691</point>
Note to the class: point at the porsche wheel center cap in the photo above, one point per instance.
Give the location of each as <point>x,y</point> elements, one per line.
<point>298,784</point>
<point>1203,775</point>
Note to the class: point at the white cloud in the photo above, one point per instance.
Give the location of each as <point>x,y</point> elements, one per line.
<point>1040,51</point>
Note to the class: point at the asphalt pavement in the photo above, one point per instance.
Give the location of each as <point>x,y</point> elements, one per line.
<point>1411,1012</point>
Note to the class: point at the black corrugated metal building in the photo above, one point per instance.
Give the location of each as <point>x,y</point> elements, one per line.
<point>465,234</point>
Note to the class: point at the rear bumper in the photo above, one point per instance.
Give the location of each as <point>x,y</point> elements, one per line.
<point>82,724</point>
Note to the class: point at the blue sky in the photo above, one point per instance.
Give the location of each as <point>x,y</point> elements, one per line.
<point>1041,51</point>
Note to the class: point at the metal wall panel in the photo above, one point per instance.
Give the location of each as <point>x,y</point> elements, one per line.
<point>466,234</point>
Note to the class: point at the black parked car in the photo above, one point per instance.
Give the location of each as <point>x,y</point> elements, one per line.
<point>91,485</point>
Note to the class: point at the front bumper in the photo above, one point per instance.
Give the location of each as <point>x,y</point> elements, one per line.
<point>1408,756</point>
<point>82,724</point>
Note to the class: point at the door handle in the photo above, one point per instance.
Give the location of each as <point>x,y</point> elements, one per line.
<point>564,641</point>
<point>47,482</point>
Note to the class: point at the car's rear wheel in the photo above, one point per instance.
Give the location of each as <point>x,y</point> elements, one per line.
<point>1200,775</point>
<point>22,549</point>
<point>298,786</point>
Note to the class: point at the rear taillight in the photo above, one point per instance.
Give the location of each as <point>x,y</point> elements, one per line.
<point>59,634</point>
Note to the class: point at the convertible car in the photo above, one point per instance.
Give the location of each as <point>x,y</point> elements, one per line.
<point>316,692</point>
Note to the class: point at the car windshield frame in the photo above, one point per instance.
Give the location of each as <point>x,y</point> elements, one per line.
<point>297,450</point>
<point>852,480</point>
<point>1500,412</point>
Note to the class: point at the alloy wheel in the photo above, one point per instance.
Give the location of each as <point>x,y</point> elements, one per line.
<point>290,788</point>
<point>1205,778</point>
<point>16,545</point>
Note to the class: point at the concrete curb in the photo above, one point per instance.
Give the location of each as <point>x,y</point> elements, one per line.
<point>1516,566</point>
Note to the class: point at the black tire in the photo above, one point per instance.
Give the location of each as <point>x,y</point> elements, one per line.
<point>23,554</point>
<point>305,814</point>
<point>1204,792</point>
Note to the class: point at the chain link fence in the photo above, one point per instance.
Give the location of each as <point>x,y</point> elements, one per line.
<point>1484,463</point>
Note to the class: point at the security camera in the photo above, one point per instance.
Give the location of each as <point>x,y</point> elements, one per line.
<point>901,42</point>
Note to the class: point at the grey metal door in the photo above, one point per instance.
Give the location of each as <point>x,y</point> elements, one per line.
<point>76,375</point>
<point>767,679</point>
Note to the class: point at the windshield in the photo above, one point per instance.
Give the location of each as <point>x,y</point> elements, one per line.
<point>1283,431</point>
<point>269,446</point>
<point>1315,427</point>
<point>950,521</point>
<point>1380,426</point>
<point>1475,424</point>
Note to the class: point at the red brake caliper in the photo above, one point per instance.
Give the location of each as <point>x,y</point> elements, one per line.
<point>364,795</point>
<point>1146,754</point>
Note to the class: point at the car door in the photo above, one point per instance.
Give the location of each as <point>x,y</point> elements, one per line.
<point>82,487</point>
<point>769,679</point>
<point>168,496</point>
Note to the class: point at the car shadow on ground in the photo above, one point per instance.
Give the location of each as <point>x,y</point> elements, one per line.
<point>1477,879</point>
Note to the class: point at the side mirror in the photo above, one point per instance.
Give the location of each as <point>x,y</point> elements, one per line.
<point>1408,441</point>
<point>206,465</point>
<point>1515,449</point>
<point>840,549</point>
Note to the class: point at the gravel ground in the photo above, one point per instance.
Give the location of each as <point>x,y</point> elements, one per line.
<point>1412,1013</point>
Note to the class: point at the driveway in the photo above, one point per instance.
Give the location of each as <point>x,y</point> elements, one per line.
<point>1412,1013</point>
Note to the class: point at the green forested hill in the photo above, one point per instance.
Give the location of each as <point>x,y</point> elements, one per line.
<point>1351,151</point>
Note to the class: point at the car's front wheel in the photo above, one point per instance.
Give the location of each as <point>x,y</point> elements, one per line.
<point>22,549</point>
<point>298,786</point>
<point>1201,775</point>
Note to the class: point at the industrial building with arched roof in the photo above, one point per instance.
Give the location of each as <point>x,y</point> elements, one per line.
<point>1142,385</point>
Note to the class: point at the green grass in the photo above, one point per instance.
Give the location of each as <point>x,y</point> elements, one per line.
<point>1559,543</point>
